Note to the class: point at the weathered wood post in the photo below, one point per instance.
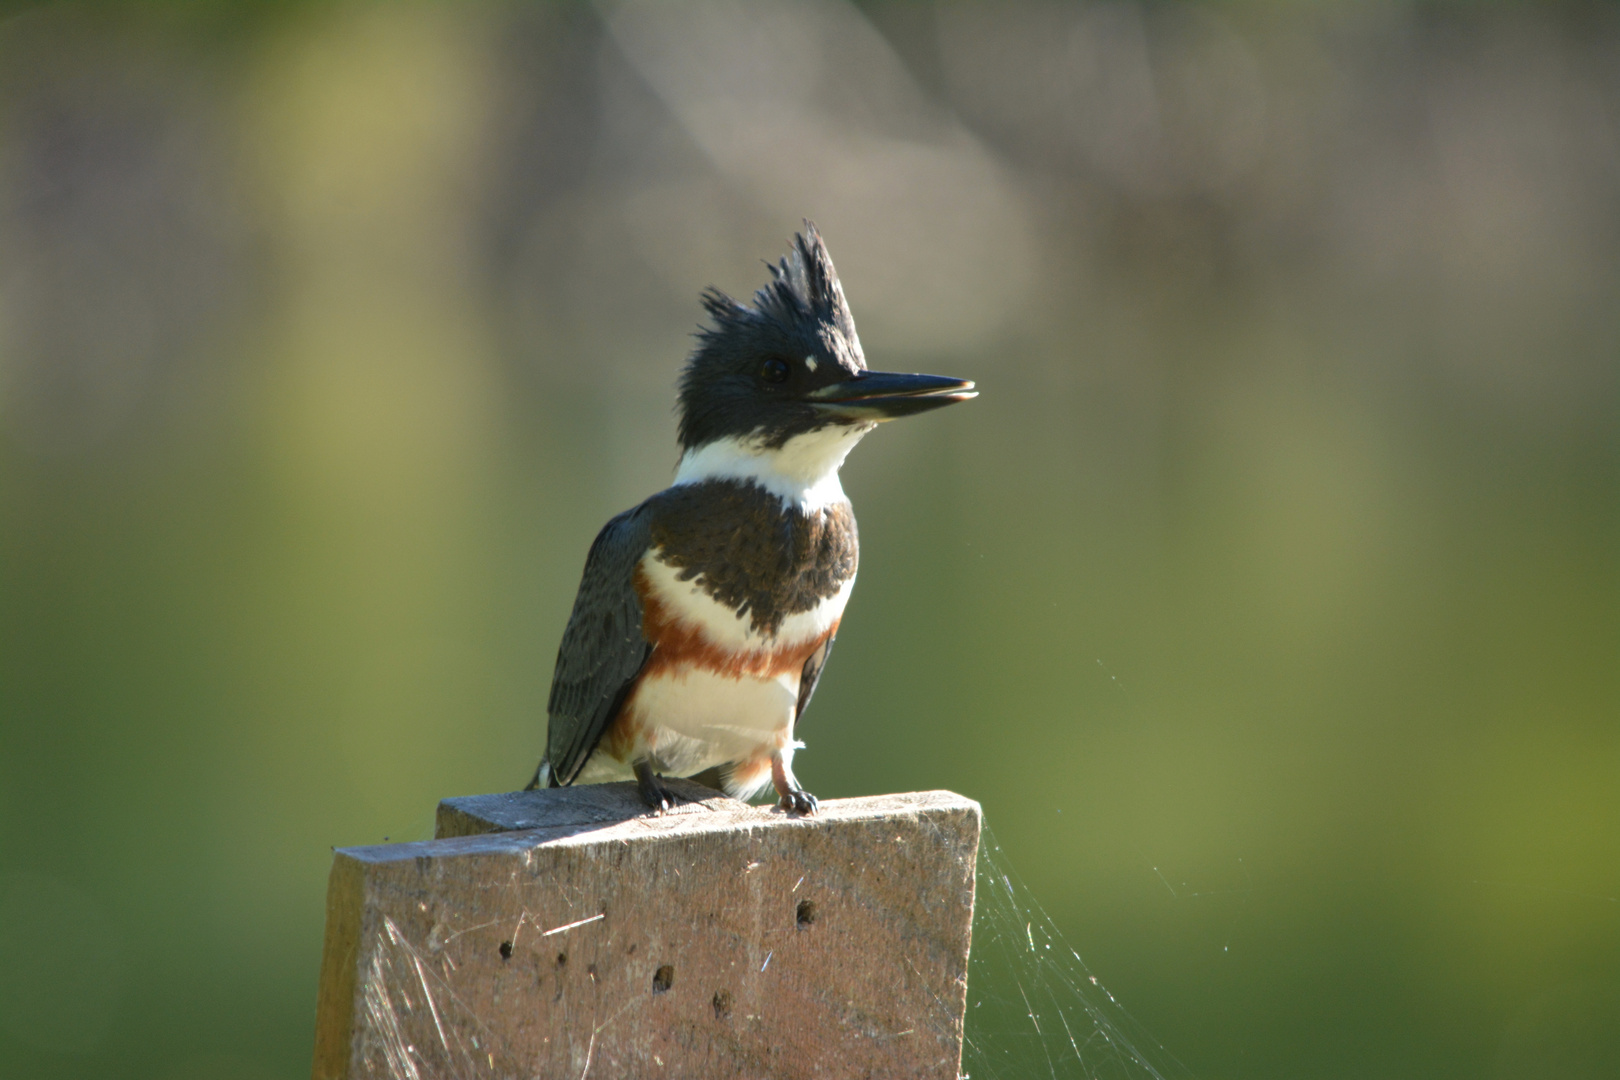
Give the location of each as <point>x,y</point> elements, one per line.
<point>569,933</point>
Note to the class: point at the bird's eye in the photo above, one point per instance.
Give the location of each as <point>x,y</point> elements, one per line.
<point>774,370</point>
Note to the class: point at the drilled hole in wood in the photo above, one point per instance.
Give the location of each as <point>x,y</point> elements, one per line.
<point>506,950</point>
<point>805,915</point>
<point>663,979</point>
<point>722,1004</point>
<point>562,959</point>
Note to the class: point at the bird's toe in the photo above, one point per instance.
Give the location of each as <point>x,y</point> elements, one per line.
<point>798,802</point>
<point>654,792</point>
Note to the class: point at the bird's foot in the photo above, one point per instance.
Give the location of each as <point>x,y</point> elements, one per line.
<point>654,792</point>
<point>797,801</point>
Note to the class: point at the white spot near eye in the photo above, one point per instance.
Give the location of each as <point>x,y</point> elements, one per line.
<point>810,362</point>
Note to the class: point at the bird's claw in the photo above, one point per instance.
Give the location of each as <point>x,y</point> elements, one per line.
<point>654,792</point>
<point>798,802</point>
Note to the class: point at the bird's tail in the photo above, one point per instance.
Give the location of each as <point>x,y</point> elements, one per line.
<point>542,776</point>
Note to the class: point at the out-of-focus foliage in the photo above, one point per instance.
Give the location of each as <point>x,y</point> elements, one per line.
<point>1268,598</point>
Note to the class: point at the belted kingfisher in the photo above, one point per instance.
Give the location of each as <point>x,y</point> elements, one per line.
<point>706,614</point>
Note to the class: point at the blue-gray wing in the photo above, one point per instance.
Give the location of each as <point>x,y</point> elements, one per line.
<point>811,674</point>
<point>602,650</point>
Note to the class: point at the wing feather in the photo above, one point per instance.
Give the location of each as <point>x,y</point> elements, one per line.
<point>603,648</point>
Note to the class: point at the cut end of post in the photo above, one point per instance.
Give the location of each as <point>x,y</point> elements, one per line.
<point>583,805</point>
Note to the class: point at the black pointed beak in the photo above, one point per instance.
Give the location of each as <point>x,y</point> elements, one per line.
<point>884,395</point>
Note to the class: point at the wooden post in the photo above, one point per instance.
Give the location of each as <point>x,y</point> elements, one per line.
<point>570,933</point>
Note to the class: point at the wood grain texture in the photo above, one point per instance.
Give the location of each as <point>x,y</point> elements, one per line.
<point>720,941</point>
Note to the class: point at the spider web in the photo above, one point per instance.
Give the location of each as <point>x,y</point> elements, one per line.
<point>1034,1008</point>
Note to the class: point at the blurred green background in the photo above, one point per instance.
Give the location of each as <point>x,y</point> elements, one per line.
<point>1267,598</point>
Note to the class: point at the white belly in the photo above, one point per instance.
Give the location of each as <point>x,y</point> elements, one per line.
<point>696,719</point>
<point>689,719</point>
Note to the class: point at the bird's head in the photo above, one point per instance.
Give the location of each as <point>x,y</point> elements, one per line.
<point>785,377</point>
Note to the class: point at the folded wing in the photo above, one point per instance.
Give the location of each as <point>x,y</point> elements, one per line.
<point>603,649</point>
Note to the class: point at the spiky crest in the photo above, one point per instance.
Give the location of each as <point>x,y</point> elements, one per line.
<point>800,311</point>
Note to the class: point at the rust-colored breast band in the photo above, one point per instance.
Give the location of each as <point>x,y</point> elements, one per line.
<point>678,643</point>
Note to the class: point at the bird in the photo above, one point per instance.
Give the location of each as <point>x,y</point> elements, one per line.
<point>706,614</point>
